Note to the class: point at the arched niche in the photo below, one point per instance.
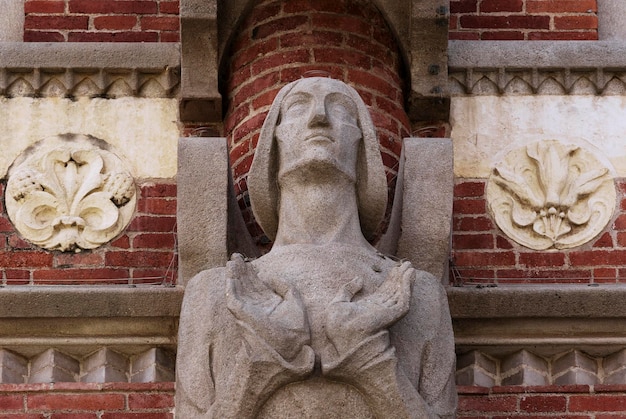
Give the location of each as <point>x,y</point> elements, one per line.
<point>421,27</point>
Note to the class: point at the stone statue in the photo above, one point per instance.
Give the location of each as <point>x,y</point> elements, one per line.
<point>323,326</point>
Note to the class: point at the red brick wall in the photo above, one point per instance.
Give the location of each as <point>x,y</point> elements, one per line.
<point>144,253</point>
<point>524,19</point>
<point>87,401</point>
<point>482,254</point>
<point>101,21</point>
<point>564,402</point>
<point>280,42</point>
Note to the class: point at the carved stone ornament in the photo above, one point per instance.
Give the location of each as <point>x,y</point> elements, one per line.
<point>323,326</point>
<point>551,195</point>
<point>69,193</point>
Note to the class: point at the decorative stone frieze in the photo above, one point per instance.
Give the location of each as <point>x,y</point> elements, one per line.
<point>549,194</point>
<point>69,193</point>
<point>537,67</point>
<point>102,366</point>
<point>112,71</point>
<point>526,368</point>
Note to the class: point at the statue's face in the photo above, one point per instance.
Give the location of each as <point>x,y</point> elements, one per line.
<point>318,125</point>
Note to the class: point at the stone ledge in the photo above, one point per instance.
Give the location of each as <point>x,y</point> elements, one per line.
<point>89,69</point>
<point>524,301</point>
<point>81,320</point>
<point>537,67</point>
<point>536,54</point>
<point>91,301</point>
<point>545,319</point>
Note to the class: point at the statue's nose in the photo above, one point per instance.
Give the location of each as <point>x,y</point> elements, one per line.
<point>318,115</point>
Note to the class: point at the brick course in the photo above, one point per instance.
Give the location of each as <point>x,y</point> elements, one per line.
<point>524,19</point>
<point>101,20</point>
<point>571,402</point>
<point>144,253</point>
<point>483,254</point>
<point>87,400</point>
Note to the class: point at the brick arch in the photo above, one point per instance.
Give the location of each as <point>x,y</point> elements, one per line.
<point>279,41</point>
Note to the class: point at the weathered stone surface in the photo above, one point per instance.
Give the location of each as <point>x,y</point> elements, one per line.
<point>550,194</point>
<point>70,192</point>
<point>53,366</point>
<point>574,367</point>
<point>610,19</point>
<point>426,208</point>
<point>250,333</point>
<point>11,20</point>
<point>150,123</point>
<point>524,368</point>
<point>13,368</point>
<point>482,128</point>
<point>103,366</point>
<point>152,366</point>
<point>203,221</point>
<point>59,69</point>
<point>476,369</point>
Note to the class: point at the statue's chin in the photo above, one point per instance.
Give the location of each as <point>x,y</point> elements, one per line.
<point>317,167</point>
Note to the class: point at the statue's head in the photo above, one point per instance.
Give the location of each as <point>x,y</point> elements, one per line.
<point>321,123</point>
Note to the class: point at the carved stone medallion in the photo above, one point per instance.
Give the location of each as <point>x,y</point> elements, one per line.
<point>69,193</point>
<point>550,194</point>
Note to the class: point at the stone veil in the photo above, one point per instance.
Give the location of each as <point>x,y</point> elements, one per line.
<point>323,326</point>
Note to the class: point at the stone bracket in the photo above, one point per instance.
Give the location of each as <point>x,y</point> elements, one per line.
<point>200,100</point>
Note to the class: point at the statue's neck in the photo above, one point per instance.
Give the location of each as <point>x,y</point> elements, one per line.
<point>314,211</point>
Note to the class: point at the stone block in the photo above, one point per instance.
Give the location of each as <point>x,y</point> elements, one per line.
<point>526,369</point>
<point>614,367</point>
<point>476,369</point>
<point>574,367</point>
<point>105,366</point>
<point>427,192</point>
<point>152,366</point>
<point>53,366</point>
<point>203,210</point>
<point>13,368</point>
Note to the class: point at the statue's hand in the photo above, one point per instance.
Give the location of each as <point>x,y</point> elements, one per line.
<point>277,316</point>
<point>349,322</point>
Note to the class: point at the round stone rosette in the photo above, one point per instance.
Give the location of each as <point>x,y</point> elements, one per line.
<point>70,192</point>
<point>550,194</point>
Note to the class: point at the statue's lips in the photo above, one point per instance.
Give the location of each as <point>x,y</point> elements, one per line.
<point>319,138</point>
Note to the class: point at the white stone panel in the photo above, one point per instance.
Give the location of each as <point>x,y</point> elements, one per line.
<point>144,130</point>
<point>486,128</point>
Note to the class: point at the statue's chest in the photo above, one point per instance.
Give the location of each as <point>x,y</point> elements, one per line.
<point>319,280</point>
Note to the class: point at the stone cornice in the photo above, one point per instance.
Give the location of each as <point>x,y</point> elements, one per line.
<point>89,69</point>
<point>537,67</point>
<point>547,318</point>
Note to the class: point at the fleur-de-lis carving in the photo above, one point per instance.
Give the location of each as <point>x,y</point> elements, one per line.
<point>67,199</point>
<point>550,194</point>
